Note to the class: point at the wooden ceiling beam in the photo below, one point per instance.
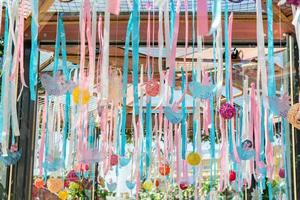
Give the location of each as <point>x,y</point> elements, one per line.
<point>44,5</point>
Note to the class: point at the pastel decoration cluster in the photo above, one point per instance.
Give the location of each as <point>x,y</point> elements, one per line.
<point>227,111</point>
<point>81,96</point>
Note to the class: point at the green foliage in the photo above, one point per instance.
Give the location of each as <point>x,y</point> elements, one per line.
<point>103,193</point>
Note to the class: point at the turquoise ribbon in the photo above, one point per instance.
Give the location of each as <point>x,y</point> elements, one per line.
<point>270,191</point>
<point>212,136</point>
<point>227,76</point>
<point>284,135</point>
<point>124,86</point>
<point>271,73</point>
<point>91,131</point>
<point>33,67</point>
<point>183,122</point>
<point>135,52</point>
<point>61,43</point>
<point>148,129</point>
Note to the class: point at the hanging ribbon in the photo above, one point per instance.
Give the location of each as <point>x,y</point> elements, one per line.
<point>202,18</point>
<point>105,54</point>
<point>174,47</point>
<point>217,16</point>
<point>135,50</point>
<point>183,121</point>
<point>33,66</point>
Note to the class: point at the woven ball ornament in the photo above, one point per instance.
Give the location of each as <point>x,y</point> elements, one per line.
<point>164,169</point>
<point>293,116</point>
<point>55,185</point>
<point>227,111</point>
<point>194,158</point>
<point>114,160</point>
<point>232,176</point>
<point>81,96</point>
<point>63,195</point>
<point>148,185</point>
<point>281,173</point>
<point>152,88</point>
<point>39,183</point>
<point>183,185</point>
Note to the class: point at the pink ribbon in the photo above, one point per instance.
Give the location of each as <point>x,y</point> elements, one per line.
<point>19,54</point>
<point>114,7</point>
<point>202,18</point>
<point>42,144</point>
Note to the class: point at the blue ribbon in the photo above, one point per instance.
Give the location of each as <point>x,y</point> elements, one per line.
<point>135,52</point>
<point>34,50</point>
<point>148,129</point>
<point>124,86</point>
<point>212,137</point>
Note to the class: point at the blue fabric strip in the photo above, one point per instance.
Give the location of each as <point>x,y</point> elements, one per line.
<point>135,52</point>
<point>271,73</point>
<point>33,67</point>
<point>212,137</point>
<point>183,122</point>
<point>124,86</point>
<point>148,129</point>
<point>284,135</point>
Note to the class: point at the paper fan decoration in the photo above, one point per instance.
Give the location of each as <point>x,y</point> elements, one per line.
<point>201,91</point>
<point>111,186</point>
<point>55,86</point>
<point>130,184</point>
<point>11,158</point>
<point>53,164</point>
<point>293,116</point>
<point>152,88</point>
<point>280,105</point>
<point>245,150</point>
<point>172,115</point>
<point>124,161</point>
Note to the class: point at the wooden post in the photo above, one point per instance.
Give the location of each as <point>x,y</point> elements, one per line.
<point>23,170</point>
